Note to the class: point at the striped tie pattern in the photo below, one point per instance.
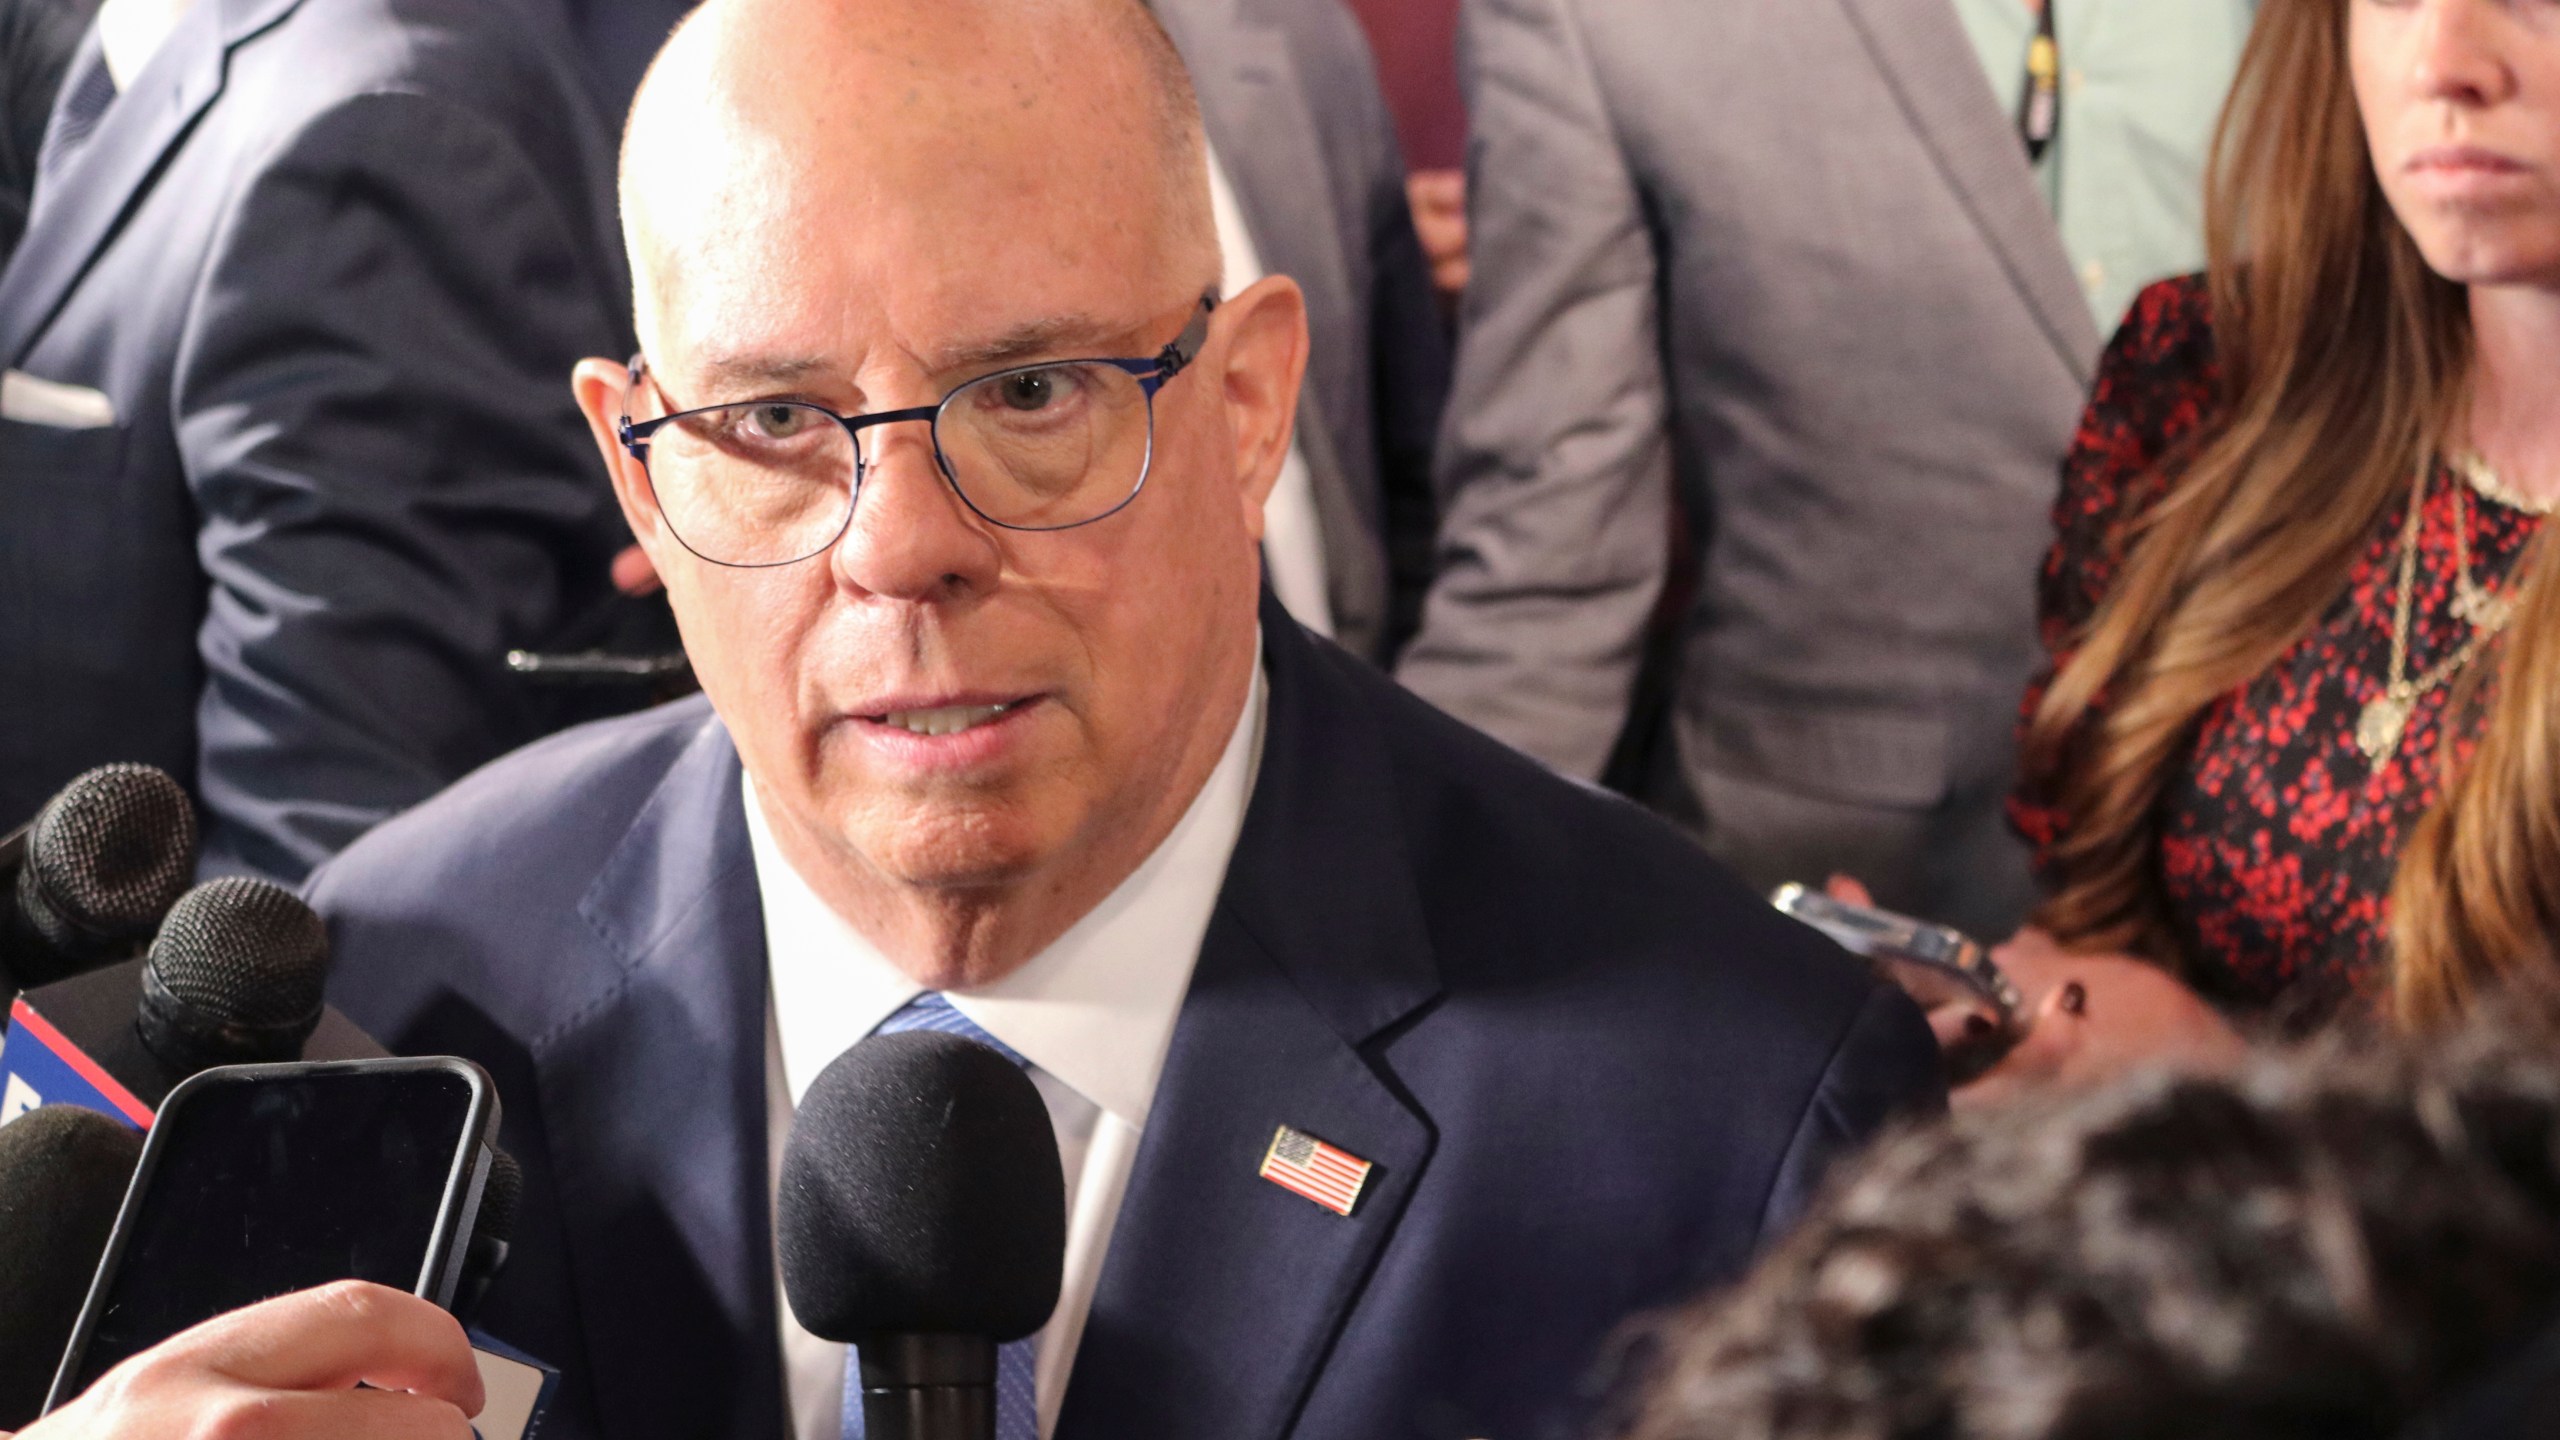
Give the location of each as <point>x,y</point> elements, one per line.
<point>1017,1363</point>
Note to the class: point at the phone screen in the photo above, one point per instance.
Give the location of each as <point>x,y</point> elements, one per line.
<point>270,1184</point>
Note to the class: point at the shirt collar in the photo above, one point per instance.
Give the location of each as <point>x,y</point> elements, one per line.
<point>1096,1009</point>
<point>130,32</point>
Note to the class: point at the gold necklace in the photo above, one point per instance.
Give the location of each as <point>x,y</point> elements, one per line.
<point>2385,718</point>
<point>2486,481</point>
<point>2473,601</point>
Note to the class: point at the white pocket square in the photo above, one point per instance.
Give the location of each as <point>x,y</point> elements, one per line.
<point>37,401</point>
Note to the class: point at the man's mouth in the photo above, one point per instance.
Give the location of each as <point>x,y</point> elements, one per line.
<point>945,719</point>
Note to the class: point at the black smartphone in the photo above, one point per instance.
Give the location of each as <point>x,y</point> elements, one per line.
<point>259,1180</point>
<point>1935,963</point>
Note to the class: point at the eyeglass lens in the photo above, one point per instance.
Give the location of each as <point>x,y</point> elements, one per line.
<point>1038,448</point>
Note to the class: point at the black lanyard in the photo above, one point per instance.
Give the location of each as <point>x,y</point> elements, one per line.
<point>2040,106</point>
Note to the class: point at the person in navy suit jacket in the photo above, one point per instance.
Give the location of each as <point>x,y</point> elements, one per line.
<point>1015,722</point>
<point>285,466</point>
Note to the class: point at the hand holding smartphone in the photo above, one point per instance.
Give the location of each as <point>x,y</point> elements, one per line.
<point>291,1367</point>
<point>259,1180</point>
<point>1936,965</point>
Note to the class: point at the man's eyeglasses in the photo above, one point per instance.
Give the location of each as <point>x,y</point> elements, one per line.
<point>1038,447</point>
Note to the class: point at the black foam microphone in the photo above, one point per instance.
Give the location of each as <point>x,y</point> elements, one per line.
<point>63,1173</point>
<point>923,1220</point>
<point>491,1234</point>
<point>94,872</point>
<point>234,977</point>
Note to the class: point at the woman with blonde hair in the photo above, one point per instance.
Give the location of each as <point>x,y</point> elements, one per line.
<point>2297,753</point>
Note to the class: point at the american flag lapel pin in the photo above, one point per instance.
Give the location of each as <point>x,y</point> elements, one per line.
<point>1304,1165</point>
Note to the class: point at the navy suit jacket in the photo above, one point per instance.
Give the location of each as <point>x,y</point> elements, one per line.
<point>331,262</point>
<point>1593,1071</point>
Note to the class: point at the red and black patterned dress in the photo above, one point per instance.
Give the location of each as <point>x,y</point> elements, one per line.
<point>2278,840</point>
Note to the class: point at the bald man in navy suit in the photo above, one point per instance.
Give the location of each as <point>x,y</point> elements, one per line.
<point>1014,728</point>
<point>1312,186</point>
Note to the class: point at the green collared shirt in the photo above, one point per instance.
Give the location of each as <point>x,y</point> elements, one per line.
<point>2142,84</point>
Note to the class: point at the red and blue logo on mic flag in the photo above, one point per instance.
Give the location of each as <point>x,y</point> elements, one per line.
<point>43,1068</point>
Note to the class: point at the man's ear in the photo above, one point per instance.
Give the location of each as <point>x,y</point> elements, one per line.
<point>1266,357</point>
<point>601,387</point>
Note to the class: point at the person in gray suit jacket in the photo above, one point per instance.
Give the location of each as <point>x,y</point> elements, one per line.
<point>1300,134</point>
<point>1787,260</point>
<point>287,465</point>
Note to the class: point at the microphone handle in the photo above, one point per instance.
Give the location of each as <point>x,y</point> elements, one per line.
<point>928,1387</point>
<point>929,1412</point>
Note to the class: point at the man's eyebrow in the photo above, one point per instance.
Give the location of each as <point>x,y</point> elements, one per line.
<point>728,373</point>
<point>1052,337</point>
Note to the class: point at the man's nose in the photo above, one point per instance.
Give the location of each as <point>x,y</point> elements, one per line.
<point>2458,57</point>
<point>912,537</point>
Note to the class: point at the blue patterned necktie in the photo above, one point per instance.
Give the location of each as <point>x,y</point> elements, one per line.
<point>1017,1363</point>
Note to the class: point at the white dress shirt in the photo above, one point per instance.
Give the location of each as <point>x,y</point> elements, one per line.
<point>1093,1013</point>
<point>130,32</point>
<point>1292,537</point>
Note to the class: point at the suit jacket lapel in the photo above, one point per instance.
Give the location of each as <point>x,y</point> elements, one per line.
<point>1937,77</point>
<point>87,202</point>
<point>652,1099</point>
<point>1254,106</point>
<point>1223,1292</point>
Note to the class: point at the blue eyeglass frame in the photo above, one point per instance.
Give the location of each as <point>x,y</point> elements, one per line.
<point>1151,375</point>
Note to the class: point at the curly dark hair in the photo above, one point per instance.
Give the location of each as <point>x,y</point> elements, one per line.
<point>2320,1246</point>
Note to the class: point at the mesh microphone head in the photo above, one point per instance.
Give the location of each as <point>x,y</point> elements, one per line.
<point>63,1172</point>
<point>921,1194</point>
<point>499,1198</point>
<point>234,977</point>
<point>105,858</point>
<point>491,1234</point>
